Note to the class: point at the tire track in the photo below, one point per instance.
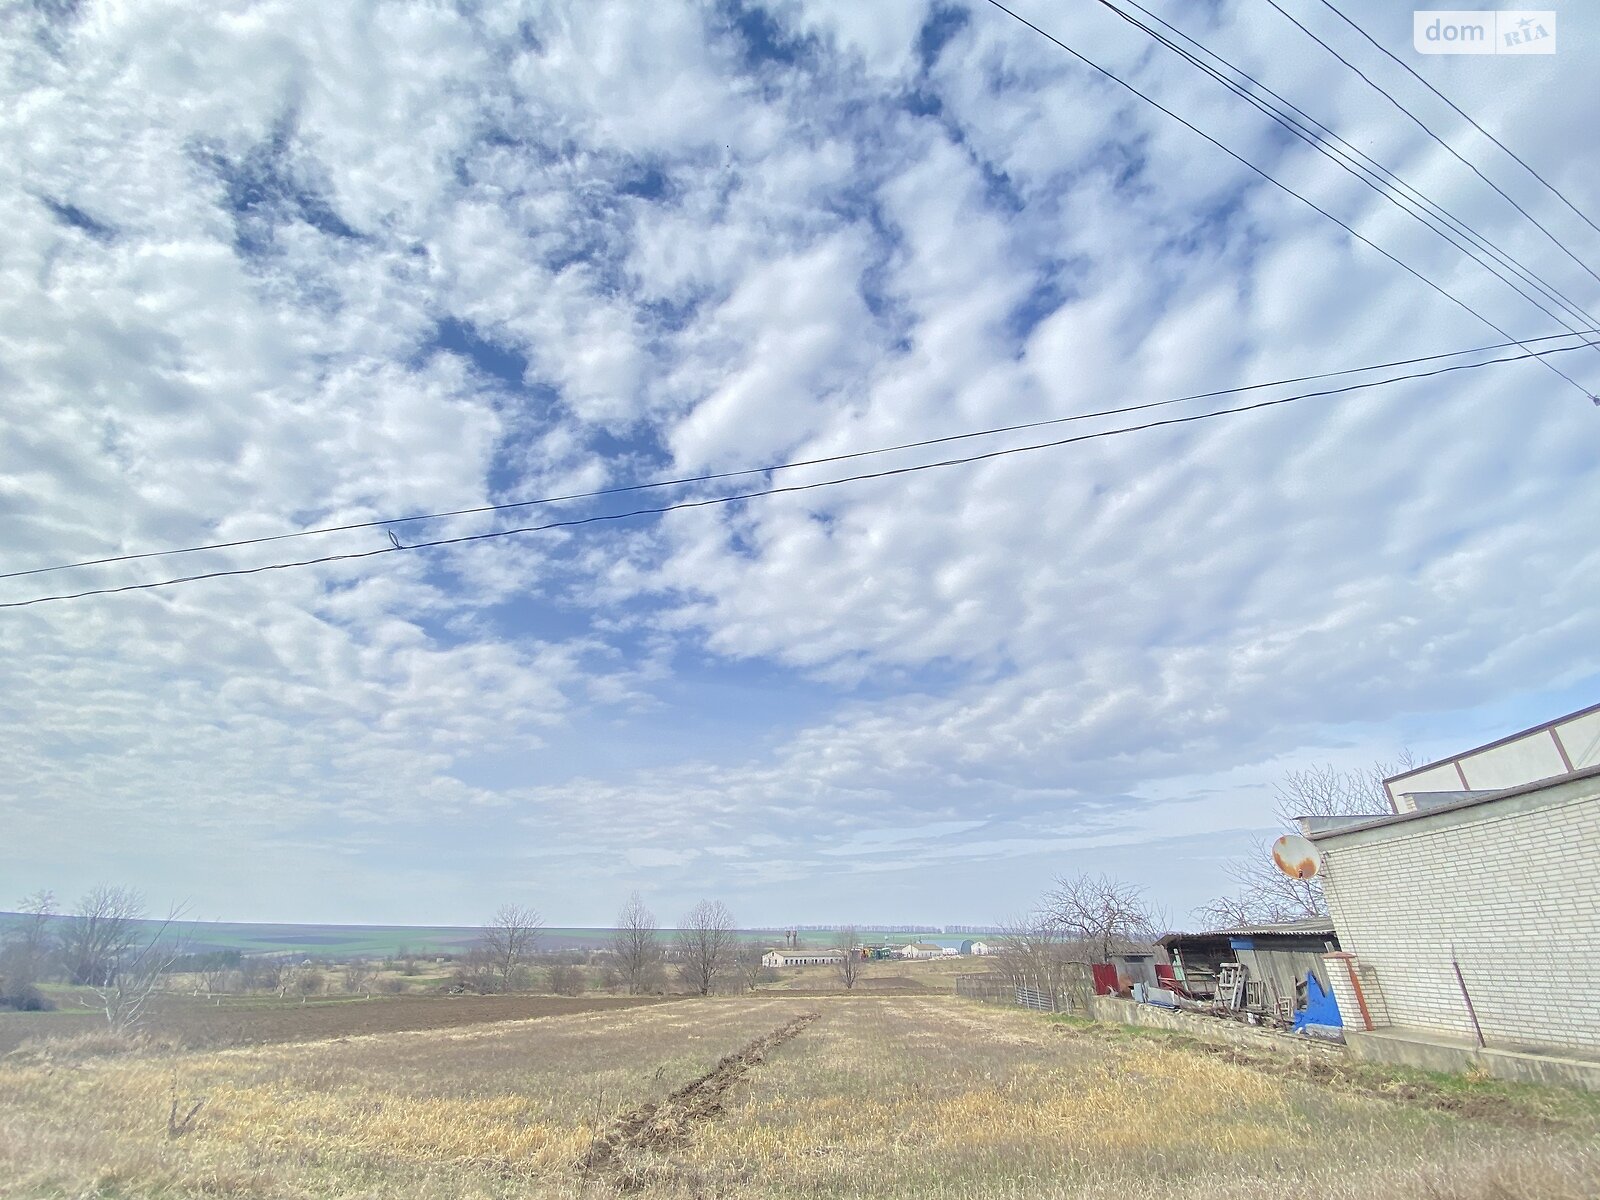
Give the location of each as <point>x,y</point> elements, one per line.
<point>659,1126</point>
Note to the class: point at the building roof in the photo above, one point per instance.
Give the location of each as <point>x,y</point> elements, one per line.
<point>1308,927</point>
<point>1498,742</point>
<point>1473,799</point>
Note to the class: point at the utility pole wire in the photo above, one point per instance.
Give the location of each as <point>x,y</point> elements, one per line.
<point>1246,163</point>
<point>1559,244</point>
<point>1554,191</point>
<point>1355,162</point>
<point>383,522</point>
<point>714,501</point>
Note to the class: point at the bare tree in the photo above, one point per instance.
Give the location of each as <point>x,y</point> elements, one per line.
<point>309,981</point>
<point>135,973</point>
<point>358,977</point>
<point>1263,894</point>
<point>508,942</point>
<point>565,979</point>
<point>100,933</point>
<point>1104,914</point>
<point>707,945</point>
<point>1037,952</point>
<point>1324,790</point>
<point>215,971</point>
<point>851,964</point>
<point>638,946</point>
<point>25,953</point>
<point>752,963</point>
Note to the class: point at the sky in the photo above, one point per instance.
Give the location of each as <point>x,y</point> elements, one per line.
<point>274,266</point>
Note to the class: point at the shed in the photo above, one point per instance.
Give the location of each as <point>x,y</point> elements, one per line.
<point>1277,959</point>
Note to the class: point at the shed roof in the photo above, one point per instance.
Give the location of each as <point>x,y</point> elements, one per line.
<point>1308,927</point>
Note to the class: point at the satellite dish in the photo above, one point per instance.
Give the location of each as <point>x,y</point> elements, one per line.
<point>1296,857</point>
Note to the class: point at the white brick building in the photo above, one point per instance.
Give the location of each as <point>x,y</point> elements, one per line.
<point>801,958</point>
<point>1505,883</point>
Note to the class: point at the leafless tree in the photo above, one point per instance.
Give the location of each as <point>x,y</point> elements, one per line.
<point>707,945</point>
<point>298,978</point>
<point>565,979</point>
<point>214,973</point>
<point>357,977</point>
<point>100,933</point>
<point>851,965</point>
<point>475,971</point>
<point>260,972</point>
<point>1324,790</point>
<point>1263,894</point>
<point>638,946</point>
<point>752,966</point>
<point>136,972</point>
<point>25,953</point>
<point>508,942</point>
<point>1104,914</point>
<point>1037,952</point>
<point>309,981</point>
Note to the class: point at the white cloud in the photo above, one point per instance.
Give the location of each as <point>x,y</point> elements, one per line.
<point>233,236</point>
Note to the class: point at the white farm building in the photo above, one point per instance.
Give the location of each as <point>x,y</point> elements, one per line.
<point>801,958</point>
<point>1468,914</point>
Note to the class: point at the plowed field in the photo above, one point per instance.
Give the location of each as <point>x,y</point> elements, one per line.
<point>201,1024</point>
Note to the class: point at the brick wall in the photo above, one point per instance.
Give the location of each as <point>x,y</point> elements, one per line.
<point>1512,885</point>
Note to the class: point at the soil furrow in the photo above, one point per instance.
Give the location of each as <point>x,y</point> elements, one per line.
<point>661,1125</point>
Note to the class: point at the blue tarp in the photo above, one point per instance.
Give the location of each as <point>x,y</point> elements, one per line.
<point>1321,1008</point>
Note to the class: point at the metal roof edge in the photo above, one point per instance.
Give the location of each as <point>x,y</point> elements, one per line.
<point>1510,737</point>
<point>1521,789</point>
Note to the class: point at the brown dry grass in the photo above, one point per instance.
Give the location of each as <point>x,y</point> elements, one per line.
<point>893,1097</point>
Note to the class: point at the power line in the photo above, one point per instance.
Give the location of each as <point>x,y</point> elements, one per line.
<point>1239,158</point>
<point>1556,192</point>
<point>1362,166</point>
<point>714,501</point>
<point>1420,124</point>
<point>384,522</point>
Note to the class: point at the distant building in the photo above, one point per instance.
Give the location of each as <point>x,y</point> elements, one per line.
<point>1475,905</point>
<point>978,948</point>
<point>801,958</point>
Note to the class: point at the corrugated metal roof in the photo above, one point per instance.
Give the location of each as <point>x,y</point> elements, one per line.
<point>1310,925</point>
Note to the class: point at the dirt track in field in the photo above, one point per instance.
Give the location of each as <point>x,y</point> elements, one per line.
<point>194,1023</point>
<point>661,1126</point>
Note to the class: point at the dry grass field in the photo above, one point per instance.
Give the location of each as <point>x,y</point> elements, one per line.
<point>895,1096</point>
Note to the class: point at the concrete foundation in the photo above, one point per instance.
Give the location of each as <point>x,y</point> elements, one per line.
<point>1212,1029</point>
<point>1428,1051</point>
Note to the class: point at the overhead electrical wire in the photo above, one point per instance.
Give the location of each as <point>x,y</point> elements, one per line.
<point>712,501</point>
<point>1277,183</point>
<point>1363,167</point>
<point>1517,158</point>
<point>713,477</point>
<point>1422,125</point>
